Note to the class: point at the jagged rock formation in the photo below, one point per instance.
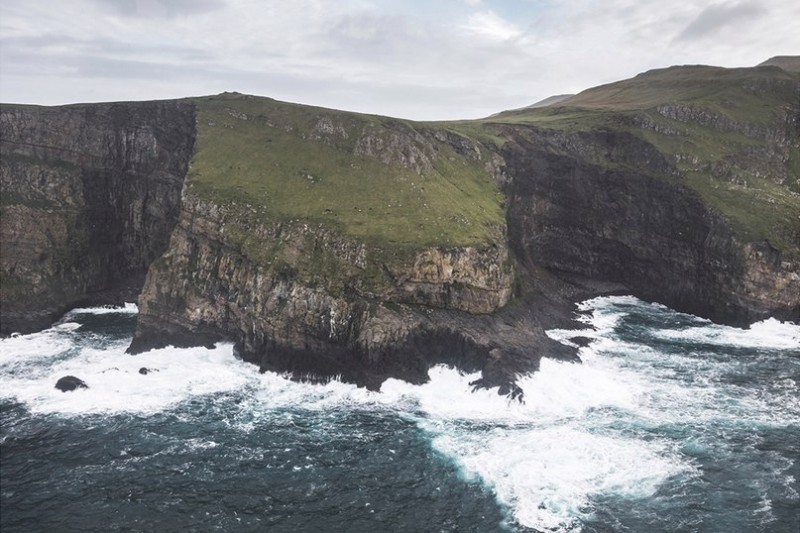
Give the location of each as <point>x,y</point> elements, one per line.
<point>326,243</point>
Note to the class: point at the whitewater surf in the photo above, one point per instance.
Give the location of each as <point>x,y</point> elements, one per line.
<point>671,423</point>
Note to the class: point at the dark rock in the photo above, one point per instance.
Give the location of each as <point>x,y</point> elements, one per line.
<point>632,221</point>
<point>507,388</point>
<point>513,391</point>
<point>589,211</point>
<point>70,383</point>
<point>581,341</point>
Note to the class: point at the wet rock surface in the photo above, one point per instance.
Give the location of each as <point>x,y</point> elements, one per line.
<point>70,383</point>
<point>641,228</point>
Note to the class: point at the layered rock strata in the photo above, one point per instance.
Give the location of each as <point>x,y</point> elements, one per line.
<point>90,194</point>
<point>635,223</point>
<point>302,298</point>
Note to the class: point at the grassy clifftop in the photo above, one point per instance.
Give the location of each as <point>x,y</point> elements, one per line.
<point>388,182</point>
<point>733,134</point>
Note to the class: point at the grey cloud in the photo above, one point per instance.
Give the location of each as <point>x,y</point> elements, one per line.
<point>35,63</point>
<point>95,67</point>
<point>717,16</point>
<point>379,37</point>
<point>159,8</point>
<point>405,47</point>
<point>43,44</point>
<point>365,27</point>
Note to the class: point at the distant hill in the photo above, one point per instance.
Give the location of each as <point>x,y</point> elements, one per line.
<point>646,88</point>
<point>550,100</point>
<point>698,85</point>
<point>713,124</point>
<point>787,63</point>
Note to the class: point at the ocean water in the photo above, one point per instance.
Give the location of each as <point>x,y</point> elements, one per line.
<point>671,423</point>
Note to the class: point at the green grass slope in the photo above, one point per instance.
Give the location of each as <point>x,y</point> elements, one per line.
<point>389,182</point>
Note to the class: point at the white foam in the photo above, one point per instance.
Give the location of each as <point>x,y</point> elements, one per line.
<point>547,476</point>
<point>129,308</point>
<point>277,391</point>
<point>449,396</point>
<point>769,334</point>
<point>535,454</point>
<point>557,391</point>
<point>35,346</point>
<point>683,385</point>
<point>605,312</point>
<point>545,459</point>
<point>115,385</point>
<point>539,457</point>
<point>670,396</point>
<point>564,335</point>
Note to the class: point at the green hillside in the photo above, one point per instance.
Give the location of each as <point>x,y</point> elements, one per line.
<point>731,133</point>
<point>387,181</point>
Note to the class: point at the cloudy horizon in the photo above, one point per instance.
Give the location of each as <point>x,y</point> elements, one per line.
<point>413,59</point>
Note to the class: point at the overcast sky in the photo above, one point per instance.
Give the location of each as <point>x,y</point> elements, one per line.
<point>420,59</point>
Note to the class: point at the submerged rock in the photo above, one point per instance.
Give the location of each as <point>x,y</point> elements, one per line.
<point>508,389</point>
<point>70,383</point>
<point>512,391</point>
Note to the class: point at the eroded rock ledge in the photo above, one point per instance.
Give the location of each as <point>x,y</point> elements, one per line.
<point>629,219</point>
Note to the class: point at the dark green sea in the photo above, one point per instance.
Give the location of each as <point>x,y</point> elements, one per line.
<point>671,423</point>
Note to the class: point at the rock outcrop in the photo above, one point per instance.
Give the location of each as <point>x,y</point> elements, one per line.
<point>314,302</point>
<point>70,383</point>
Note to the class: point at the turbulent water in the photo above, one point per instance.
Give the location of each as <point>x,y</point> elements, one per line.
<point>672,423</point>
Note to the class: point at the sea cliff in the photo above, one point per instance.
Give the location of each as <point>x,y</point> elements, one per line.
<point>90,194</point>
<point>326,243</point>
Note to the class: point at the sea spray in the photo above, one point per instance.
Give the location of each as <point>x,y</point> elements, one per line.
<point>650,425</point>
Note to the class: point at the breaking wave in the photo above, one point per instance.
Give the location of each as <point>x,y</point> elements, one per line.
<point>665,409</point>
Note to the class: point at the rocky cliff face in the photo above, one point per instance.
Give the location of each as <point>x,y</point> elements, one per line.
<point>301,297</point>
<point>332,244</point>
<point>630,219</point>
<point>90,194</point>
